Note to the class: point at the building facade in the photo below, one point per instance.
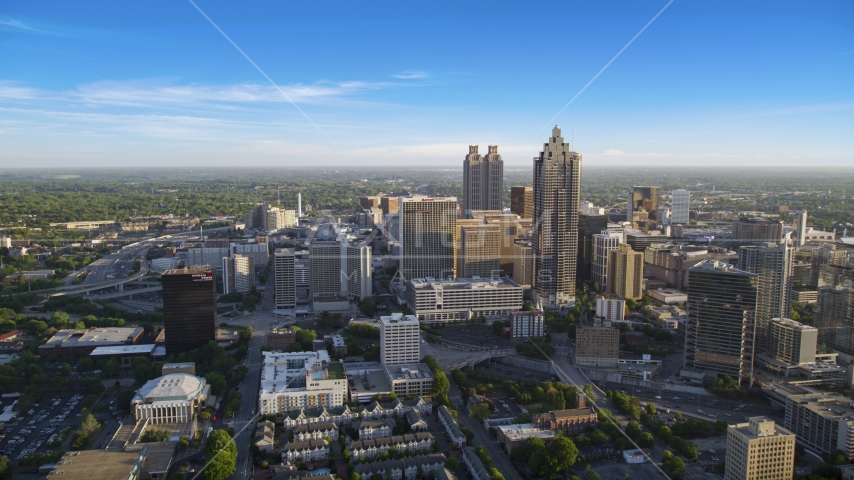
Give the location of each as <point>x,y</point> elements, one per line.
<point>172,398</point>
<point>427,228</point>
<point>835,320</point>
<point>302,380</point>
<point>680,206</point>
<point>757,230</point>
<point>238,274</point>
<point>603,243</point>
<point>759,450</point>
<point>822,421</point>
<point>523,264</point>
<point>588,226</point>
<point>189,308</point>
<point>283,269</point>
<point>720,334</point>
<point>483,180</point>
<point>526,324</point>
<point>557,190</point>
<point>522,201</point>
<point>772,264</point>
<point>463,298</point>
<point>792,342</point>
<point>643,208</point>
<point>479,251</point>
<point>597,344</point>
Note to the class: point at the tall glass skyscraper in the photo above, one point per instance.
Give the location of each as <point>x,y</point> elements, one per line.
<point>772,263</point>
<point>427,230</point>
<point>557,193</point>
<point>189,308</point>
<point>719,337</point>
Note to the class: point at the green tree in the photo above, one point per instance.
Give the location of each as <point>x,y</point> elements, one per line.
<point>221,452</point>
<point>452,464</point>
<point>650,409</point>
<point>112,368</point>
<point>65,369</point>
<point>689,451</point>
<point>633,429</point>
<point>564,453</point>
<point>355,476</point>
<point>645,440</point>
<point>590,392</point>
<point>480,412</point>
<point>216,381</point>
<point>5,469</point>
<point>123,399</point>
<point>368,307</point>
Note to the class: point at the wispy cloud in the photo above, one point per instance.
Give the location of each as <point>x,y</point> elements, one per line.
<point>158,94</point>
<point>16,24</point>
<point>409,75</point>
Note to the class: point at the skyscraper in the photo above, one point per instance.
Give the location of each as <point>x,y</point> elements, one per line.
<point>835,320</point>
<point>238,274</point>
<point>772,263</point>
<point>680,207</point>
<point>189,308</point>
<point>719,336</point>
<point>283,265</point>
<point>826,254</point>
<point>483,181</point>
<point>479,254</point>
<point>427,228</point>
<point>522,201</point>
<point>603,243</point>
<point>801,228</point>
<point>625,272</point>
<point>399,340</point>
<point>642,208</point>
<point>757,229</point>
<point>759,450</point>
<point>588,225</point>
<point>557,193</point>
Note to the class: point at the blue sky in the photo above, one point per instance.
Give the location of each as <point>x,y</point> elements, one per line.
<point>88,83</point>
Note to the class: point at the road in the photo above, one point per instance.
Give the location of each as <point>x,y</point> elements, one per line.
<point>249,388</point>
<point>499,459</point>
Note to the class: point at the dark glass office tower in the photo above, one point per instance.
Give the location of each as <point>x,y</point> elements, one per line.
<point>720,334</point>
<point>588,225</point>
<point>189,308</point>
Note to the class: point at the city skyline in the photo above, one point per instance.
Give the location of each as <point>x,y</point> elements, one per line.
<point>164,86</point>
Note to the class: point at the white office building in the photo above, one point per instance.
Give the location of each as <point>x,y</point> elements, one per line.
<point>238,274</point>
<point>283,269</point>
<point>680,206</point>
<point>613,309</point>
<point>602,244</point>
<point>399,339</point>
<point>463,298</point>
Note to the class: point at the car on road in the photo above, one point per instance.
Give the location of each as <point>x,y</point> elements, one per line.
<point>658,397</point>
<point>699,411</point>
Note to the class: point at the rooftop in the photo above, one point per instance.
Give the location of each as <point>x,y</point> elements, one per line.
<point>123,350</point>
<point>94,337</point>
<point>409,371</point>
<point>760,427</point>
<point>517,431</point>
<point>398,318</point>
<point>474,283</point>
<point>174,386</point>
<point>90,464</point>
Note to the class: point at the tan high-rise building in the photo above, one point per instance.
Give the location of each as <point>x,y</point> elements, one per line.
<point>522,201</point>
<point>511,227</point>
<point>757,229</point>
<point>390,205</point>
<point>479,251</point>
<point>597,344</point>
<point>523,264</point>
<point>483,181</point>
<point>427,229</point>
<point>625,272</point>
<point>369,202</point>
<point>826,254</point>
<point>759,450</point>
<point>557,199</point>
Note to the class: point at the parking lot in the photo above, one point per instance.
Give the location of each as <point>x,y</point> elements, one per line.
<point>33,430</point>
<point>513,372</point>
<point>478,335</point>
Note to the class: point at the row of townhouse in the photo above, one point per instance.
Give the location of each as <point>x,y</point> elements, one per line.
<point>344,415</point>
<point>403,469</point>
<point>309,451</point>
<point>475,466</point>
<point>452,428</point>
<point>368,429</point>
<point>316,431</point>
<point>370,448</point>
